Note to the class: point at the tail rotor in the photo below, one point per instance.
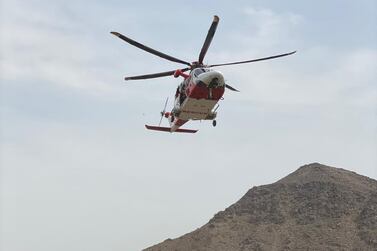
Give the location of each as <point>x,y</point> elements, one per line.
<point>163,111</point>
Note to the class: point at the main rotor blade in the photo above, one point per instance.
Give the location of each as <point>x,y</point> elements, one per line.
<point>254,60</point>
<point>207,42</point>
<point>148,49</point>
<point>154,75</point>
<point>231,88</point>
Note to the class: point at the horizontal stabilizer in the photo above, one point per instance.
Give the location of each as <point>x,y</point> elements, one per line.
<point>168,129</point>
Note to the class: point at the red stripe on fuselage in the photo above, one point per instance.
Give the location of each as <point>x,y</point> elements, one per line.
<point>201,91</point>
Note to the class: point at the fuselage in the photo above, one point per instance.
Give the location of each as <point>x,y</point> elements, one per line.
<point>196,97</point>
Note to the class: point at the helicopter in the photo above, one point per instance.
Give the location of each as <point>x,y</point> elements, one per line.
<point>197,96</point>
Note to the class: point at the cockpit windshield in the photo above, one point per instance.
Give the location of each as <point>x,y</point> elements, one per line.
<point>199,71</point>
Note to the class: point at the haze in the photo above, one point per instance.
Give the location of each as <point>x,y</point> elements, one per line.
<point>80,172</point>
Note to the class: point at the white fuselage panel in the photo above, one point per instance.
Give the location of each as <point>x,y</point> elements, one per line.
<point>196,109</point>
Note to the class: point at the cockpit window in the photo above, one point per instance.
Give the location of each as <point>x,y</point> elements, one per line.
<point>199,71</point>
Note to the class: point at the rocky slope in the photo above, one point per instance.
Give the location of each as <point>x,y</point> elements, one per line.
<point>316,207</point>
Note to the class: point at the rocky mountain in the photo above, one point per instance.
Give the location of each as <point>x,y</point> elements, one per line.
<point>317,207</point>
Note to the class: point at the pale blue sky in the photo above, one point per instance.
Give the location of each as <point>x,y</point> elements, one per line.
<point>80,172</point>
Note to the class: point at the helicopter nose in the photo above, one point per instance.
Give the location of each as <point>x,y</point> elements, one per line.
<point>212,79</point>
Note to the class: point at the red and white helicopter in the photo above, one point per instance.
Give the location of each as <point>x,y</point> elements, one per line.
<point>197,96</point>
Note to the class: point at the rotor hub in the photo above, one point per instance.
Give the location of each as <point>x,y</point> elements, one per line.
<point>196,64</point>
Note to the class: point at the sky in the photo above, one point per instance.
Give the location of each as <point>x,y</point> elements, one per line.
<point>80,172</point>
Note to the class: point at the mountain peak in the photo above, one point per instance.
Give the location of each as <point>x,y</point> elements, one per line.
<point>316,172</point>
<point>317,207</point>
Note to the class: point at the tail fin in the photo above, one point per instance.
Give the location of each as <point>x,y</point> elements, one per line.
<point>168,129</point>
